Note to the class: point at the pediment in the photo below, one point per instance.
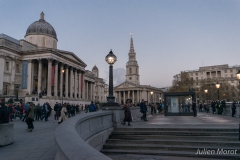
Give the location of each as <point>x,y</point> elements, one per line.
<point>72,56</point>
<point>126,85</point>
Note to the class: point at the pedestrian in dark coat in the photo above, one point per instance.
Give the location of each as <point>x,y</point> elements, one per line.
<point>233,108</point>
<point>194,108</point>
<point>143,110</point>
<point>213,105</point>
<point>127,113</point>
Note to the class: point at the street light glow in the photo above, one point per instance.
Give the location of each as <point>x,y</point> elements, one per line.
<point>217,85</point>
<point>238,74</point>
<point>206,91</point>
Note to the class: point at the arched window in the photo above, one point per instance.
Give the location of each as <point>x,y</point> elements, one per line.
<point>130,70</point>
<point>43,41</point>
<point>30,40</point>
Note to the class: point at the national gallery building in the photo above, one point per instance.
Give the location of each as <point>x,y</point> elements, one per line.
<point>36,70</point>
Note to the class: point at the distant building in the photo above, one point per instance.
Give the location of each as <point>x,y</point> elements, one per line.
<point>217,73</point>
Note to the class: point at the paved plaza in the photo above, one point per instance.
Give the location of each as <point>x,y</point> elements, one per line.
<point>40,143</point>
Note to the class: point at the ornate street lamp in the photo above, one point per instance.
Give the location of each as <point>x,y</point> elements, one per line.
<point>206,91</point>
<point>218,86</point>
<point>111,59</point>
<point>151,95</point>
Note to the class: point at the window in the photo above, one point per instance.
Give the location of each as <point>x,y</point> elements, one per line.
<point>43,42</point>
<point>5,90</point>
<point>231,71</point>
<point>191,74</point>
<point>17,68</point>
<point>197,78</point>
<point>231,75</point>
<point>130,70</point>
<point>225,71</point>
<point>196,74</point>
<point>7,66</point>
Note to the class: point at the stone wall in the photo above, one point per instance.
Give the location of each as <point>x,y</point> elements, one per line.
<point>81,137</point>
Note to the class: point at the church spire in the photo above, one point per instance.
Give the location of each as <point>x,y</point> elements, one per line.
<point>131,44</point>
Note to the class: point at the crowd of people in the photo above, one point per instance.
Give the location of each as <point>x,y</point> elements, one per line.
<point>30,112</point>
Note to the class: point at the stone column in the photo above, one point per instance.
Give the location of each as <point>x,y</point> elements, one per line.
<point>79,84</point>
<point>66,81</point>
<point>2,64</point>
<point>94,96</point>
<point>71,82</point>
<point>61,81</point>
<point>39,76</point>
<point>138,96</point>
<point>133,96</point>
<point>56,79</point>
<point>128,94</point>
<point>75,84</point>
<point>124,100</point>
<point>13,76</point>
<point>87,98</point>
<point>49,86</point>
<point>83,90</point>
<point>29,78</point>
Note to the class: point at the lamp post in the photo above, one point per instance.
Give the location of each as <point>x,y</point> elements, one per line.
<point>151,96</point>
<point>238,77</point>
<point>206,91</point>
<point>110,59</point>
<point>17,88</point>
<point>218,86</point>
<point>62,84</point>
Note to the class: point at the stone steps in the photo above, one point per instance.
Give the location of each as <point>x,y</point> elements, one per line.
<point>147,137</point>
<point>171,153</point>
<point>176,142</point>
<point>179,129</point>
<point>180,142</point>
<point>186,148</point>
<point>185,133</point>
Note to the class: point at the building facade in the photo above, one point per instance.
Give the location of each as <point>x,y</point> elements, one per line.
<point>131,88</point>
<point>36,70</point>
<point>217,73</point>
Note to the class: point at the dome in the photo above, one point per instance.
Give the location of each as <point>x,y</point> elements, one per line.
<point>41,27</point>
<point>95,68</point>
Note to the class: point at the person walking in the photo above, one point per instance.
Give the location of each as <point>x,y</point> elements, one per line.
<point>194,108</point>
<point>45,112</point>
<point>127,113</point>
<point>92,107</point>
<point>143,110</point>
<point>30,118</point>
<point>57,110</point>
<point>64,114</point>
<point>213,105</point>
<point>38,112</point>
<point>155,108</point>
<point>233,108</point>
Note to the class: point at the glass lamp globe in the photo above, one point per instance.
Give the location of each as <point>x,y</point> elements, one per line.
<point>111,58</point>
<point>205,90</point>
<point>151,92</point>
<point>238,74</point>
<point>217,85</point>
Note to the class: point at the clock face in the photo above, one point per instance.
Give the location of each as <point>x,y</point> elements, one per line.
<point>130,78</point>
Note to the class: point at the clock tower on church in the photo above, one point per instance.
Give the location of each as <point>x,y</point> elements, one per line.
<point>132,68</point>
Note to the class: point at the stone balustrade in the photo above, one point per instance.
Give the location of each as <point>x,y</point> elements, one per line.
<point>82,137</point>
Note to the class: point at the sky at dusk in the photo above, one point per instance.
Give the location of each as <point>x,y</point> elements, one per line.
<point>169,35</point>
